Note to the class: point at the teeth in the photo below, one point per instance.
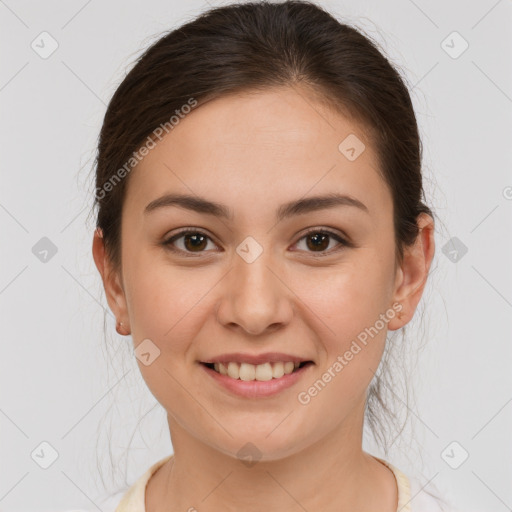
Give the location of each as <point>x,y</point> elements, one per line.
<point>234,370</point>
<point>263,372</point>
<point>288,367</point>
<point>247,371</point>
<point>277,370</point>
<point>260,372</point>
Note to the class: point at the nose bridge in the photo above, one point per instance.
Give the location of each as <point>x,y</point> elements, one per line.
<point>254,277</point>
<point>251,264</point>
<point>253,297</point>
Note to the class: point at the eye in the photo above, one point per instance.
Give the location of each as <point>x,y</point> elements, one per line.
<point>194,241</point>
<point>318,240</point>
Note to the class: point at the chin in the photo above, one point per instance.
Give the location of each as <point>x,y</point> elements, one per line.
<point>259,446</point>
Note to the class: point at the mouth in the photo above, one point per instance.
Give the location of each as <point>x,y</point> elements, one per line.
<point>257,372</point>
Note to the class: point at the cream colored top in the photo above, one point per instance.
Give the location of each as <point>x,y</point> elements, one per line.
<point>133,500</point>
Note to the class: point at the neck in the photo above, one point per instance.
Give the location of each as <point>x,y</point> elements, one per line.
<point>332,474</point>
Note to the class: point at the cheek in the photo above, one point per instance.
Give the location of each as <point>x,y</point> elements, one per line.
<point>346,298</point>
<point>162,298</point>
<point>352,336</point>
<point>166,308</point>
<point>349,303</point>
<point>168,305</point>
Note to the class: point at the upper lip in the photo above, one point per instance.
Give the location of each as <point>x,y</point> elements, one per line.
<point>267,357</point>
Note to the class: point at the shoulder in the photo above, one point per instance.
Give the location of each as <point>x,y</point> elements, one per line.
<point>129,499</point>
<point>431,500</point>
<point>134,498</point>
<point>413,496</point>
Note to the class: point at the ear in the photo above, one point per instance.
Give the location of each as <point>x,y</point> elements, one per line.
<point>412,275</point>
<point>111,281</point>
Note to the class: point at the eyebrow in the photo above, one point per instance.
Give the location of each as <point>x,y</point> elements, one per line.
<point>298,207</point>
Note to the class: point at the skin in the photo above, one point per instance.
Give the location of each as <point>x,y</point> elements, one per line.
<point>253,152</point>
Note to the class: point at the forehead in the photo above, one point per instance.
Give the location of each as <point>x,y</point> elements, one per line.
<point>260,148</point>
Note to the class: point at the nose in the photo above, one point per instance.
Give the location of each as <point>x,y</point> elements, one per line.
<point>254,297</point>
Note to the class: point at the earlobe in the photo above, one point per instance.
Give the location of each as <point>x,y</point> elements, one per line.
<point>413,273</point>
<point>121,329</point>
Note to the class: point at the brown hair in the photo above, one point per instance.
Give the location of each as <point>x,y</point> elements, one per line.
<point>258,45</point>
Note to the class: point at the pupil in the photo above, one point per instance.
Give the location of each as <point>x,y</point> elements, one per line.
<point>320,240</point>
<point>195,238</point>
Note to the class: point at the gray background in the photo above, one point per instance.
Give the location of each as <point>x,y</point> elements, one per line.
<point>63,384</point>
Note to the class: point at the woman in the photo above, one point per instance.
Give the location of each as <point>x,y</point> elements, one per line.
<point>260,229</point>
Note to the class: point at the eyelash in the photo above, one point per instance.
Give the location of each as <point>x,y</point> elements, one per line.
<point>343,242</point>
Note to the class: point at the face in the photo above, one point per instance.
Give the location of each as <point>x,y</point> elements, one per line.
<point>316,283</point>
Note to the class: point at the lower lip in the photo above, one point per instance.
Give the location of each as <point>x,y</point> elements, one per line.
<point>256,388</point>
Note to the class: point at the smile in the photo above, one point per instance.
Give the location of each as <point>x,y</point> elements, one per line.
<point>260,372</point>
<point>262,380</point>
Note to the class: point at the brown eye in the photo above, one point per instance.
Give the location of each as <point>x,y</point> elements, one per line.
<point>192,242</point>
<point>319,241</point>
